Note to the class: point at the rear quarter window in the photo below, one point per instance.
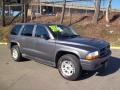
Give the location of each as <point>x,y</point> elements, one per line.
<point>16,29</point>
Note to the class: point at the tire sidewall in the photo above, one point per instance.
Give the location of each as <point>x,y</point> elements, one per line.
<point>18,52</point>
<point>76,63</point>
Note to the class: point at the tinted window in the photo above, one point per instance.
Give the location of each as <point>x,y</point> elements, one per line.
<point>40,31</point>
<point>16,29</point>
<point>27,30</point>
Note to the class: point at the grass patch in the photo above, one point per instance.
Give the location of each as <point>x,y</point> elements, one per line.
<point>4,32</point>
<point>112,37</point>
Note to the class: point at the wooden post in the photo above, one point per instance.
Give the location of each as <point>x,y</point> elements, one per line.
<point>31,12</point>
<point>40,8</point>
<point>69,11</point>
<point>53,8</point>
<point>70,15</point>
<point>9,10</point>
<point>86,13</point>
<point>63,12</point>
<point>22,11</point>
<point>25,18</point>
<point>3,13</point>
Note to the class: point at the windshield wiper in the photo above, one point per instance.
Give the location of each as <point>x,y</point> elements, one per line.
<point>73,36</point>
<point>70,36</point>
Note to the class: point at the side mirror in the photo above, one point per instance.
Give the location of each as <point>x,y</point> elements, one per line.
<point>45,36</point>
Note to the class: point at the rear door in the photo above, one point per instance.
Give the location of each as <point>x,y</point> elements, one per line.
<point>26,39</point>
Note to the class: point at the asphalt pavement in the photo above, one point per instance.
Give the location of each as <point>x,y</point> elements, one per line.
<point>30,75</point>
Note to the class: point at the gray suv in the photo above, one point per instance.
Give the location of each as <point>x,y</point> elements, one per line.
<point>58,46</point>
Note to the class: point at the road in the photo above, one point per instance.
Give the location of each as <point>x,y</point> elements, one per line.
<point>30,75</point>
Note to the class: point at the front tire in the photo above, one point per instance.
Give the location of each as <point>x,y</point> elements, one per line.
<point>69,67</point>
<point>16,54</point>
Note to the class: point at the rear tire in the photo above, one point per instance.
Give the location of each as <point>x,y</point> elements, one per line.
<point>16,54</point>
<point>69,67</point>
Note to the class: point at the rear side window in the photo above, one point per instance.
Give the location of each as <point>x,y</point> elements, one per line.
<point>27,30</point>
<point>16,29</point>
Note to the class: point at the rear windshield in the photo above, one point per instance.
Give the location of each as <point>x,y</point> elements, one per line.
<point>16,29</point>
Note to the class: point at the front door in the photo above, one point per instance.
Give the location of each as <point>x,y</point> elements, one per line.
<point>44,45</point>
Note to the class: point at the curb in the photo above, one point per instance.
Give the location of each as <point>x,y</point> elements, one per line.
<point>115,47</point>
<point>3,43</point>
<point>112,47</point>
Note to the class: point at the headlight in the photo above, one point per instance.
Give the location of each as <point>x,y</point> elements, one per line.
<point>92,56</point>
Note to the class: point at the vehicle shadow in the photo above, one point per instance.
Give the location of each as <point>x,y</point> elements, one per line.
<point>113,66</point>
<point>25,60</point>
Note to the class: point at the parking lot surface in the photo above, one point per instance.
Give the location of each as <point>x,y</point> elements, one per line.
<point>30,75</point>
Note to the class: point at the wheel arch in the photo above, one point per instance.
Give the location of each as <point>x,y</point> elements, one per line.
<point>14,43</point>
<point>63,52</point>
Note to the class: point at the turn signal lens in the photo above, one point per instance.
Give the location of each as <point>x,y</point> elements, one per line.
<point>92,56</point>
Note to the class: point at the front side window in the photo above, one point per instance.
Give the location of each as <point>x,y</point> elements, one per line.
<point>27,30</point>
<point>41,31</point>
<point>16,29</point>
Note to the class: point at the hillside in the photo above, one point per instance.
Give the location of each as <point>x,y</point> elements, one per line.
<point>82,24</point>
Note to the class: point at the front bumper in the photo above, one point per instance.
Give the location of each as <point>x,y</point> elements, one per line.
<point>95,64</point>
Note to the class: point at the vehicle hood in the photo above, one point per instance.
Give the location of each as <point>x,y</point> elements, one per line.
<point>86,42</point>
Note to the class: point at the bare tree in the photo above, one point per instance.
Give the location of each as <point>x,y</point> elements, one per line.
<point>97,11</point>
<point>94,1</point>
<point>63,12</point>
<point>25,7</point>
<point>108,11</point>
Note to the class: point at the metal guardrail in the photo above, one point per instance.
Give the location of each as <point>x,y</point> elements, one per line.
<point>60,6</point>
<point>71,6</point>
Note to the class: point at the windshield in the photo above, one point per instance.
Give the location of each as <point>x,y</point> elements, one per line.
<point>60,31</point>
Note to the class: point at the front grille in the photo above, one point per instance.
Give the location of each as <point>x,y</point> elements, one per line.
<point>105,51</point>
